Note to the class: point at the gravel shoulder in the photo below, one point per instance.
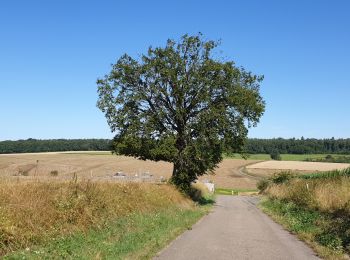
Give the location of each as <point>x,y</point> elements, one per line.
<point>236,229</point>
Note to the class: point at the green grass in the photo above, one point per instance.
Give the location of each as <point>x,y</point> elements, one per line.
<point>321,231</point>
<point>224,191</point>
<point>285,157</point>
<point>139,236</point>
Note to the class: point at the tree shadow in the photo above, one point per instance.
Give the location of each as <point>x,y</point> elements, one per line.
<point>205,201</point>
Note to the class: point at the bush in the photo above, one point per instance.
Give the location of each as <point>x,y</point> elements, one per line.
<point>329,157</point>
<point>275,155</point>
<point>281,177</point>
<point>262,185</point>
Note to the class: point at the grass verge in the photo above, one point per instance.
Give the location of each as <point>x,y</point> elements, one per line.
<point>138,236</point>
<point>314,206</point>
<point>321,231</point>
<point>80,219</point>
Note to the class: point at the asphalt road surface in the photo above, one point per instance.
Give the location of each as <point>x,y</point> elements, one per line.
<point>236,229</point>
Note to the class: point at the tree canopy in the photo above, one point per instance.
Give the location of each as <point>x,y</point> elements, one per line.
<point>180,104</point>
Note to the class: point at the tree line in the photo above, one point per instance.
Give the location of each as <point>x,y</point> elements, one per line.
<point>54,145</point>
<point>298,146</point>
<point>252,146</point>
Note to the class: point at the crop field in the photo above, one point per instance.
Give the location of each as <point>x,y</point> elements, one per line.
<point>236,174</point>
<point>285,157</point>
<point>102,166</point>
<point>266,168</point>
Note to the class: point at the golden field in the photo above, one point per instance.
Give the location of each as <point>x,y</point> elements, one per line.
<point>102,166</point>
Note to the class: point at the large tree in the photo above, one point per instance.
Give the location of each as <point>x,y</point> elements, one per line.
<point>180,104</point>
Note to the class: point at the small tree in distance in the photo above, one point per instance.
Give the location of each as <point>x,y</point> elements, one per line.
<point>181,105</point>
<point>275,155</point>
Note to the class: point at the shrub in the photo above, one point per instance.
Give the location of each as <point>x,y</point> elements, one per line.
<point>329,157</point>
<point>281,177</point>
<point>262,185</point>
<point>275,155</point>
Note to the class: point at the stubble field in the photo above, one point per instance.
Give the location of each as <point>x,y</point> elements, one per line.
<point>266,168</point>
<point>102,166</point>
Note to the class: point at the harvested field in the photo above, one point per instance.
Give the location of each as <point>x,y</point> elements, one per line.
<point>103,166</point>
<point>269,167</point>
<point>229,175</point>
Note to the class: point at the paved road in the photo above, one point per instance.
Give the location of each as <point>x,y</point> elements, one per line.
<point>236,229</point>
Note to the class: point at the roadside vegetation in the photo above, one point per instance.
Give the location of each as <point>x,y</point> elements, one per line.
<point>314,206</point>
<point>91,219</point>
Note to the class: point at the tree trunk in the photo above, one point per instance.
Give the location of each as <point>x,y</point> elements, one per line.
<point>180,175</point>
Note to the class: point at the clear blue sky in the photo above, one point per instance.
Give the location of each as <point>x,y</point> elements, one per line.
<point>52,52</point>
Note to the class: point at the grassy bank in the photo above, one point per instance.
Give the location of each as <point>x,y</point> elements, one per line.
<point>316,207</point>
<point>90,220</point>
<point>138,236</point>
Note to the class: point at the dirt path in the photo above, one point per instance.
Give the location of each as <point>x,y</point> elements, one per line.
<point>236,229</point>
<point>244,174</point>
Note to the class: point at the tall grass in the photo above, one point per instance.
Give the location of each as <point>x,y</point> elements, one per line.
<point>297,199</point>
<point>32,213</point>
<point>328,192</point>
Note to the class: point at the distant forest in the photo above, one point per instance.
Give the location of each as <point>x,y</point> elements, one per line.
<point>54,145</point>
<point>298,146</point>
<point>253,146</point>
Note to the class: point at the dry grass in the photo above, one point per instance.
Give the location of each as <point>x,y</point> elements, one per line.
<point>316,207</point>
<point>326,195</point>
<point>34,212</point>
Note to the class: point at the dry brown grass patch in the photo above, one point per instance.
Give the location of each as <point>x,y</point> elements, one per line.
<point>33,212</point>
<point>327,195</point>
